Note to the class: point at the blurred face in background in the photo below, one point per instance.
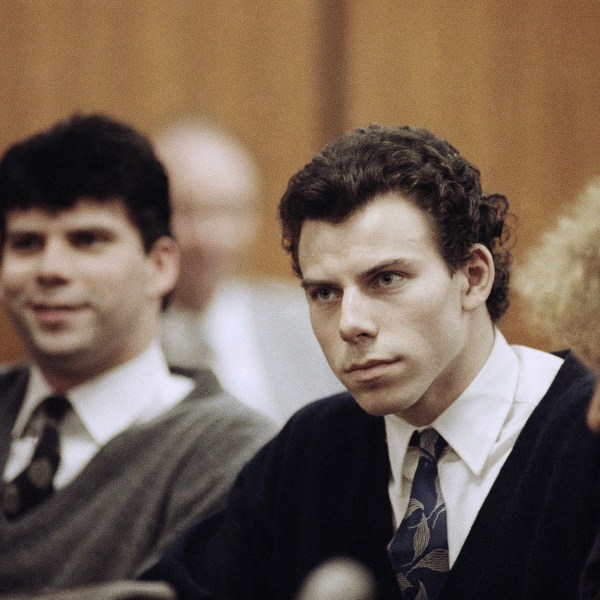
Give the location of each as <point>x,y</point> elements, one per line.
<point>214,192</point>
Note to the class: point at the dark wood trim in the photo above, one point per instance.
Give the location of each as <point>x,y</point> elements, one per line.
<point>332,57</point>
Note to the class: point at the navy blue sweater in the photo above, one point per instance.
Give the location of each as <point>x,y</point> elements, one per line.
<point>319,490</point>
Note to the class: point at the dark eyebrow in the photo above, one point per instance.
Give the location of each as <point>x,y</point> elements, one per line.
<point>21,231</point>
<point>98,229</point>
<point>306,283</point>
<point>21,234</point>
<point>400,264</point>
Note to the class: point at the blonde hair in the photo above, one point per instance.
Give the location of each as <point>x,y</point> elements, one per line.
<point>560,279</point>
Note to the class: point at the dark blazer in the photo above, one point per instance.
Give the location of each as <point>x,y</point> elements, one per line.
<point>319,490</point>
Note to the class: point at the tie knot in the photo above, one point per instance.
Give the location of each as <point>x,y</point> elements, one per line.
<point>430,442</point>
<point>55,406</point>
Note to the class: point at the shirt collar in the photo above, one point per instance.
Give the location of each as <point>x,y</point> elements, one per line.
<point>480,411</point>
<point>482,408</point>
<point>110,403</point>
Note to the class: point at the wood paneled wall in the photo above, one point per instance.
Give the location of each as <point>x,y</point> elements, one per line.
<point>513,85</point>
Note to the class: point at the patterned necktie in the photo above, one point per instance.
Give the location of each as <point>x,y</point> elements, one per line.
<point>34,483</point>
<point>419,549</point>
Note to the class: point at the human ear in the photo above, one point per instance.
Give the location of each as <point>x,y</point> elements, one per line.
<point>479,273</point>
<point>163,265</point>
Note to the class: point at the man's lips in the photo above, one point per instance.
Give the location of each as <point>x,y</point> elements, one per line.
<point>369,369</point>
<point>53,314</point>
<point>368,364</point>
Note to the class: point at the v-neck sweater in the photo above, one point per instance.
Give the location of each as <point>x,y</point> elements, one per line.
<point>138,492</point>
<point>319,490</point>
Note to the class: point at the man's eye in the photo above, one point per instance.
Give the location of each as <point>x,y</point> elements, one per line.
<point>386,279</point>
<point>321,294</point>
<point>87,239</point>
<point>25,243</point>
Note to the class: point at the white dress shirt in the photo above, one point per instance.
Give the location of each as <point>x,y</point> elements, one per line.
<point>256,337</point>
<point>228,324</point>
<point>222,339</point>
<point>103,407</point>
<point>481,427</point>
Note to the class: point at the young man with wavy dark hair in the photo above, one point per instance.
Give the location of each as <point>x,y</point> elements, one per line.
<point>405,263</point>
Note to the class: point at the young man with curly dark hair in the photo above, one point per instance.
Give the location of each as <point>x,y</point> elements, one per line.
<point>405,263</point>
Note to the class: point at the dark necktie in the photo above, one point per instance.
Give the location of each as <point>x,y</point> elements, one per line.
<point>419,549</point>
<point>34,483</point>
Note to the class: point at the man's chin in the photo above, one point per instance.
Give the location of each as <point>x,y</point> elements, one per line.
<point>380,403</point>
<point>58,353</point>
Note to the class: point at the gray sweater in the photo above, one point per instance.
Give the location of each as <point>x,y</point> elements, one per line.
<point>141,489</point>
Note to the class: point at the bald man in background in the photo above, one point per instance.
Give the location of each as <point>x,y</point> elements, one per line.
<point>254,334</point>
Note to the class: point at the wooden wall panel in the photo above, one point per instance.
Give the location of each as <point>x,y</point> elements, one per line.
<point>246,64</point>
<point>514,85</point>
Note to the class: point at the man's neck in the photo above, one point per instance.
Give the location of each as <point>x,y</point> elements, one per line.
<point>448,387</point>
<point>63,375</point>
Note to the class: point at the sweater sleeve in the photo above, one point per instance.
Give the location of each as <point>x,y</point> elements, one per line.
<point>214,446</point>
<point>218,556</point>
<point>230,554</point>
<point>283,515</point>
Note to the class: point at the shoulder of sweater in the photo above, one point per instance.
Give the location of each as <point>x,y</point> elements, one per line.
<point>329,435</point>
<point>205,381</point>
<point>329,407</point>
<point>573,380</point>
<point>13,378</point>
<point>217,420</point>
<point>9,371</point>
<point>221,405</point>
<point>331,420</point>
<point>198,430</point>
<point>560,415</point>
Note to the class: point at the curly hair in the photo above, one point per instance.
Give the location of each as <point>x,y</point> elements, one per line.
<point>560,279</point>
<point>425,170</point>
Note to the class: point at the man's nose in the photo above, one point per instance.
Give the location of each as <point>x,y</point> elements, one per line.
<point>357,320</point>
<point>55,261</point>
